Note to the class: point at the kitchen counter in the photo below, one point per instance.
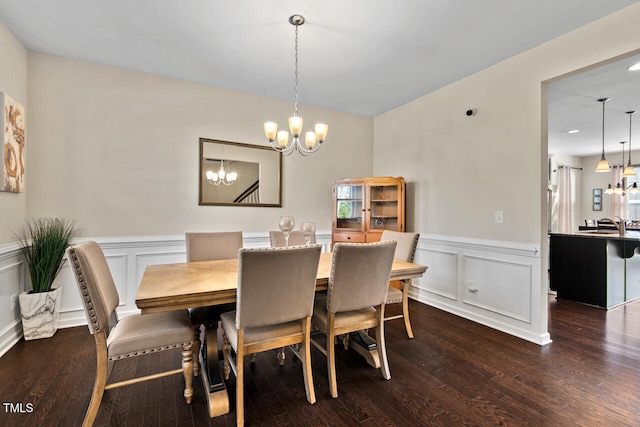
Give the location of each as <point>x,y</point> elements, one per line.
<point>596,267</point>
<point>604,233</point>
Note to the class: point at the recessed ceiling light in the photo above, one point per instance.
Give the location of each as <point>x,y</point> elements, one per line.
<point>573,131</point>
<point>634,67</point>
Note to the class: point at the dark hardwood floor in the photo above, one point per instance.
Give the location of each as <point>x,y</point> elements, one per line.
<point>454,373</point>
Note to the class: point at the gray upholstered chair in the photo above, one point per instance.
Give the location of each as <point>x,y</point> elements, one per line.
<point>296,238</point>
<point>355,299</point>
<point>134,335</point>
<point>209,246</point>
<point>405,251</point>
<point>274,304</point>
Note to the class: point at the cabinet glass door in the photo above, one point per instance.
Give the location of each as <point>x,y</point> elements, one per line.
<point>349,205</point>
<point>383,207</point>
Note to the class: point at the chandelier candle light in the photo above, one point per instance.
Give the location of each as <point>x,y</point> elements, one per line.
<point>312,140</point>
<point>222,176</point>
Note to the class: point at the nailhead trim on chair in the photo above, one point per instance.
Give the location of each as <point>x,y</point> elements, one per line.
<point>84,291</point>
<point>151,350</point>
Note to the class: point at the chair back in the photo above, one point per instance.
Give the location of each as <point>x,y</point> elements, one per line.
<point>359,275</point>
<point>296,238</point>
<point>97,289</point>
<point>407,243</point>
<point>276,285</point>
<point>209,246</point>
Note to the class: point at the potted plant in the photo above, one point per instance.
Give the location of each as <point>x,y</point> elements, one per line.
<point>43,242</point>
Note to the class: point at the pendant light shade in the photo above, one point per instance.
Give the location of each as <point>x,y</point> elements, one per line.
<point>603,164</point>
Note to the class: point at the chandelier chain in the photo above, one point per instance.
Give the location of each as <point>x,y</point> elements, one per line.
<point>295,103</point>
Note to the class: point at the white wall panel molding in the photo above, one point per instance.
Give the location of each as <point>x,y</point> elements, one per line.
<point>12,276</point>
<point>442,271</point>
<point>497,284</point>
<point>503,287</point>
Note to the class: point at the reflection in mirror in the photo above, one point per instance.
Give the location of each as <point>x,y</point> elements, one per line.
<point>234,174</point>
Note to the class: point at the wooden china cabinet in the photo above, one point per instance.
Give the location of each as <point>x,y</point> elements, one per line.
<point>364,207</point>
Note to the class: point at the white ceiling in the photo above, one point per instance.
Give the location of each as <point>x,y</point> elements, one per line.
<point>359,56</point>
<point>573,104</point>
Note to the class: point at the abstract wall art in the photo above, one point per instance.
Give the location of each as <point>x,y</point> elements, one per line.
<point>13,141</point>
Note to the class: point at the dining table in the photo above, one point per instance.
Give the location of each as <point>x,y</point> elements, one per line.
<point>167,287</point>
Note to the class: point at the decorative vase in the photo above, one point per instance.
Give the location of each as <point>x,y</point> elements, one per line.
<point>39,313</point>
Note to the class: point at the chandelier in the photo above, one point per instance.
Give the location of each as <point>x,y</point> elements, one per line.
<point>222,176</point>
<point>312,140</point>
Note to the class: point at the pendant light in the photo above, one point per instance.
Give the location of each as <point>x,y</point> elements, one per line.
<point>629,170</point>
<point>603,164</point>
<point>312,139</point>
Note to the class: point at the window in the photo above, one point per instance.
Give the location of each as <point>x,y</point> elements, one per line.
<point>633,199</point>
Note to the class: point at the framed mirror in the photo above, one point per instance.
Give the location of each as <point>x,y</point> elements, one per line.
<point>235,174</point>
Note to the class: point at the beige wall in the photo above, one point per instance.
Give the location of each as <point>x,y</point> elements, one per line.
<point>465,168</point>
<point>118,151</point>
<point>13,81</point>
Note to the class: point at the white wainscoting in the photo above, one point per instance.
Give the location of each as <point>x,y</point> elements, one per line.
<point>493,283</point>
<point>12,279</point>
<point>497,284</point>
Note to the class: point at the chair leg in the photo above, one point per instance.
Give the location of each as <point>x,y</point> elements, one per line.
<point>281,356</point>
<point>240,379</point>
<point>382,347</point>
<point>187,369</point>
<point>196,350</point>
<point>101,379</point>
<point>331,356</point>
<point>345,341</point>
<point>306,364</point>
<point>406,284</point>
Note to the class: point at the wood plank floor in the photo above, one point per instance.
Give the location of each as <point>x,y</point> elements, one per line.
<point>454,373</point>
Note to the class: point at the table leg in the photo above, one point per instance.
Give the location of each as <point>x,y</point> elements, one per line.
<point>366,346</point>
<point>212,381</point>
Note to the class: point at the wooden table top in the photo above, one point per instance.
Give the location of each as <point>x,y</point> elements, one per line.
<point>166,287</point>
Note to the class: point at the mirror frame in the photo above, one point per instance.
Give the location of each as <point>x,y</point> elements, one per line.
<point>201,202</point>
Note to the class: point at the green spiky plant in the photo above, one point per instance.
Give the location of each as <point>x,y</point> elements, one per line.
<point>43,242</point>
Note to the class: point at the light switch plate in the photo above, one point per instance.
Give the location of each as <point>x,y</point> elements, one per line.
<point>499,217</point>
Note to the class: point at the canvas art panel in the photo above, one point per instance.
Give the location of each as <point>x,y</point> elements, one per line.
<point>13,119</point>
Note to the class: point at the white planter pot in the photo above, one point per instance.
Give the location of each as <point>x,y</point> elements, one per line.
<point>39,313</point>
